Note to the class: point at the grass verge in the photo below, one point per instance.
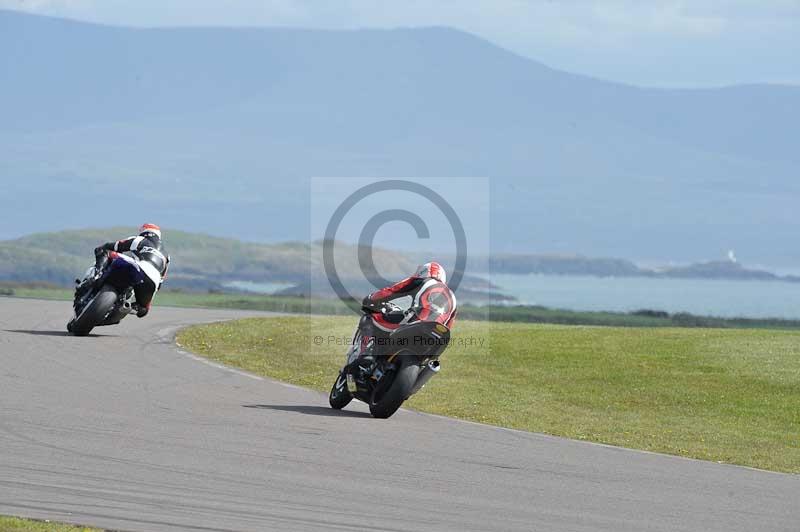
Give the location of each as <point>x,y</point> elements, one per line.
<point>714,394</point>
<point>17,524</point>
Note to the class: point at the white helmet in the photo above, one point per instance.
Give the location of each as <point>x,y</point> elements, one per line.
<point>432,270</point>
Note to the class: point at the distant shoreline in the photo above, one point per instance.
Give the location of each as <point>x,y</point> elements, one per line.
<point>611,267</point>
<point>511,313</point>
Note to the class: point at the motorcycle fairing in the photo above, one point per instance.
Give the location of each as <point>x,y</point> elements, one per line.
<point>123,272</point>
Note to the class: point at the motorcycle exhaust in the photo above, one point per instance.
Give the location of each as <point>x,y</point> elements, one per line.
<point>425,375</point>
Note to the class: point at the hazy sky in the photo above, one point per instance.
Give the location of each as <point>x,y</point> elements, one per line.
<point>645,42</point>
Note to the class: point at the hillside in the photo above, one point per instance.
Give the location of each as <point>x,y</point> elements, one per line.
<point>199,261</point>
<point>229,124</point>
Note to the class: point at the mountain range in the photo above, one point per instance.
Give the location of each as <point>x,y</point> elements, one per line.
<point>219,130</point>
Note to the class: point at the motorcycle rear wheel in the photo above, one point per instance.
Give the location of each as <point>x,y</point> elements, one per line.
<point>95,312</point>
<point>387,397</point>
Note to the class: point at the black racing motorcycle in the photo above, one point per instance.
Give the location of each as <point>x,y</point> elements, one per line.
<point>105,298</point>
<point>401,367</point>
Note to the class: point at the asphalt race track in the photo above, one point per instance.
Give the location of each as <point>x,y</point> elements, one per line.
<point>124,431</point>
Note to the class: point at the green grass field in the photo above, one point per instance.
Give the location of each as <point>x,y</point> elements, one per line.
<point>715,394</point>
<point>15,524</point>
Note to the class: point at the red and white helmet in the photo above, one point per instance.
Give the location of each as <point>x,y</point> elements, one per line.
<point>150,228</point>
<point>432,270</point>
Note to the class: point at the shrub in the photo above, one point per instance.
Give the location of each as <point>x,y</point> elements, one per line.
<point>650,313</point>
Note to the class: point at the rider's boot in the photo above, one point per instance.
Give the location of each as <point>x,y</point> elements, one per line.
<point>365,359</point>
<point>82,287</point>
<point>367,356</point>
<point>101,261</point>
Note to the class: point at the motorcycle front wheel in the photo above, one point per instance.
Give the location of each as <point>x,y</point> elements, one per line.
<point>340,396</point>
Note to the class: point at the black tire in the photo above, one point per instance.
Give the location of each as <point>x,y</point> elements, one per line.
<point>340,396</point>
<point>383,404</point>
<point>95,312</point>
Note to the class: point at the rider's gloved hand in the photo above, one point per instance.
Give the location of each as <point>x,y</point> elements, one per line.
<point>368,306</point>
